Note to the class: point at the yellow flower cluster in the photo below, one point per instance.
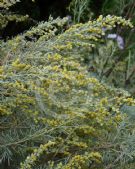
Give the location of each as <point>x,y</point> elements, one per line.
<point>30,160</point>
<point>81,162</point>
<point>20,66</point>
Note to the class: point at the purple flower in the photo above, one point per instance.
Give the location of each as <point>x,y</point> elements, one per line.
<point>119,39</point>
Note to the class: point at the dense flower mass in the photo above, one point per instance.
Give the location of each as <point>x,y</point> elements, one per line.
<point>54,111</point>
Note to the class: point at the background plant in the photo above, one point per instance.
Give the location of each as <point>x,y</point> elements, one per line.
<point>80,10</point>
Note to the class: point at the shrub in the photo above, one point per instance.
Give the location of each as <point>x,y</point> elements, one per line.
<point>53,113</point>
